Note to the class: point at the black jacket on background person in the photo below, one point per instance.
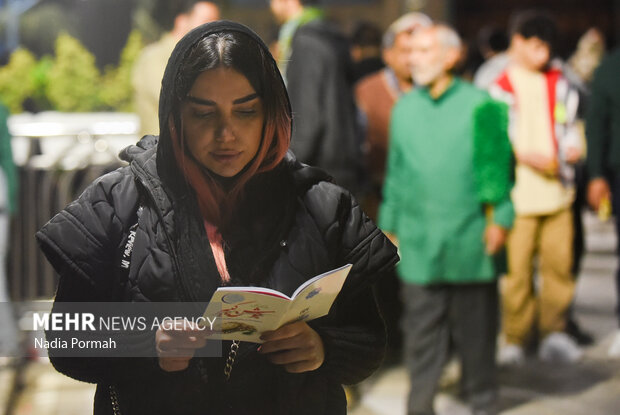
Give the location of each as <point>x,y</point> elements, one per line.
<point>291,225</point>
<point>319,78</point>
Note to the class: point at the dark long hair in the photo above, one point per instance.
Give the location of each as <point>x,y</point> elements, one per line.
<point>238,51</point>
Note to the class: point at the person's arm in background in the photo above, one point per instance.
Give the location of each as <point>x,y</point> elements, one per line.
<point>597,122</point>
<point>493,170</point>
<point>499,225</point>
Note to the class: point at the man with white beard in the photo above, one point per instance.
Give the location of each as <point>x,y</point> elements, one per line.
<point>447,203</point>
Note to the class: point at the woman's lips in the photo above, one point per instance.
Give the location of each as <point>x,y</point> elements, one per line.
<point>225,156</point>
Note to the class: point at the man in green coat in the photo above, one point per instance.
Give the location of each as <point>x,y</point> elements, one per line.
<point>447,203</point>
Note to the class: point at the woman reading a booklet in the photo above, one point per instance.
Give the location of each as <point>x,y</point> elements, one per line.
<point>217,200</point>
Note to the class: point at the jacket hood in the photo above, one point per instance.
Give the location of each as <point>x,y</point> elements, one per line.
<point>166,163</point>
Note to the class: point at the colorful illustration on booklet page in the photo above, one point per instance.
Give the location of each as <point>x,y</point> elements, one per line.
<point>304,314</point>
<point>313,293</point>
<point>232,298</point>
<point>248,309</point>
<point>238,327</point>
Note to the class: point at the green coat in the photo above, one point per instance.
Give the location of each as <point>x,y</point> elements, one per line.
<point>434,196</point>
<point>7,166</point>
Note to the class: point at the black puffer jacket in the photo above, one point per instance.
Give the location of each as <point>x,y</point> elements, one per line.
<point>291,225</point>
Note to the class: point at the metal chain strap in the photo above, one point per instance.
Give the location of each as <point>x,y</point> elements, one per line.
<point>116,408</point>
<point>231,359</point>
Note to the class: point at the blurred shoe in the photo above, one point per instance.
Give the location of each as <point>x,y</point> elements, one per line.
<point>510,355</point>
<point>559,347</point>
<point>484,403</point>
<point>582,338</point>
<point>614,349</point>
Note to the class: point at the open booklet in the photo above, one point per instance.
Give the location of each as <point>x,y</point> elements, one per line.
<point>247,312</point>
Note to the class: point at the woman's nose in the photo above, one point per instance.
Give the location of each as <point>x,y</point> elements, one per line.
<point>224,132</point>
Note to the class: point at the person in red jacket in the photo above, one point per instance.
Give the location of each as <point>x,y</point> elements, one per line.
<point>546,144</point>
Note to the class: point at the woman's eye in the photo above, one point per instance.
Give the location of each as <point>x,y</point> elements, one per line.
<point>204,114</point>
<point>246,112</point>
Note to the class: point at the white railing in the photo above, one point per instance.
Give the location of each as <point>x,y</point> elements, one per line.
<point>58,155</point>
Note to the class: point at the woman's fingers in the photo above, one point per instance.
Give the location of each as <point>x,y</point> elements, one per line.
<point>183,328</point>
<point>296,346</point>
<point>176,347</point>
<point>167,338</point>
<point>311,358</point>
<point>174,354</point>
<point>290,356</point>
<point>272,346</point>
<point>166,342</point>
<point>286,331</point>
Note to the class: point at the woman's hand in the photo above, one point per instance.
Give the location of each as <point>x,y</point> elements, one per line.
<point>296,346</point>
<point>175,347</point>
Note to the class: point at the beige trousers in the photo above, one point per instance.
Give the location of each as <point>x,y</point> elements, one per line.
<point>524,305</point>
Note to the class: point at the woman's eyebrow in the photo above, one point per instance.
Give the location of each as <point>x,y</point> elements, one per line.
<point>202,101</point>
<point>246,98</point>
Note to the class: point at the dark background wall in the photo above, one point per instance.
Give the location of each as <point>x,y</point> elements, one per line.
<point>103,26</point>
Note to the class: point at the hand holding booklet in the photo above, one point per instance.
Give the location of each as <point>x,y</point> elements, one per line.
<point>247,312</point>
